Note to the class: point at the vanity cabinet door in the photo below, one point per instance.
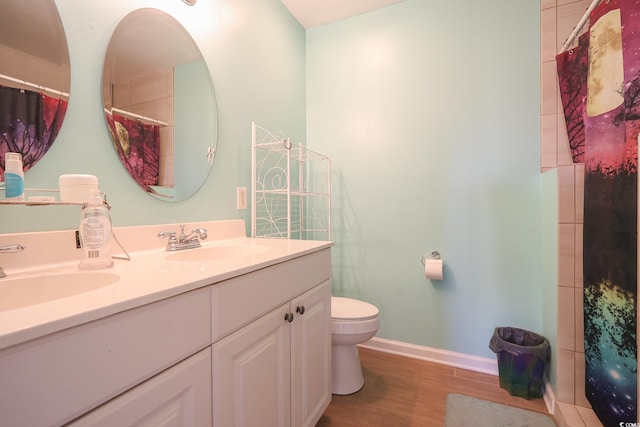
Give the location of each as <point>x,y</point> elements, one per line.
<point>69,373</point>
<point>311,355</point>
<point>179,396</point>
<point>252,374</point>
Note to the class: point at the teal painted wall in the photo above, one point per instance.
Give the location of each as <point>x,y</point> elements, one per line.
<point>430,113</point>
<point>255,51</point>
<point>191,108</point>
<point>429,110</point>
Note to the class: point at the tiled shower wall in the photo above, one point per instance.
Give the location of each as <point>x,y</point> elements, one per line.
<point>558,19</point>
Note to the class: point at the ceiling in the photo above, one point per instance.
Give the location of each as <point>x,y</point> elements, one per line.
<point>314,13</point>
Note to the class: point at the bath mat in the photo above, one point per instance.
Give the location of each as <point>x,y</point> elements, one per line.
<point>464,411</point>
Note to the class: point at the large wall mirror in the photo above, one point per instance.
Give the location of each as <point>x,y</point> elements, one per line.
<point>160,105</point>
<point>34,78</point>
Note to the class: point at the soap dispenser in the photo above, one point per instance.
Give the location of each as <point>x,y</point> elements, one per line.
<point>14,176</point>
<point>95,233</point>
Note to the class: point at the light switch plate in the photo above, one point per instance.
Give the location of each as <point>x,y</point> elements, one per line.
<point>241,197</point>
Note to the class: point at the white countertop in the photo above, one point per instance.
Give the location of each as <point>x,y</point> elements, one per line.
<point>150,275</point>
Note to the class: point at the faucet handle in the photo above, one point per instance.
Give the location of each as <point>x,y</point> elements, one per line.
<point>170,234</point>
<point>202,232</point>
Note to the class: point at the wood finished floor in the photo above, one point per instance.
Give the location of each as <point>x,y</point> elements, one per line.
<point>400,391</point>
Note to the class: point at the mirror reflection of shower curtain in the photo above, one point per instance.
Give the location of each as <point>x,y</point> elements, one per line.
<point>138,146</point>
<point>29,123</point>
<point>610,110</point>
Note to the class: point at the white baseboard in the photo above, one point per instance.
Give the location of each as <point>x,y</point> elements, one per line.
<point>450,358</point>
<point>485,365</point>
<point>549,396</point>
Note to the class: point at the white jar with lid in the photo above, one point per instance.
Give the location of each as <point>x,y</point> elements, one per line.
<point>76,188</point>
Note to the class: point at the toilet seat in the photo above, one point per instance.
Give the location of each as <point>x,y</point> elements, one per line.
<point>347,309</point>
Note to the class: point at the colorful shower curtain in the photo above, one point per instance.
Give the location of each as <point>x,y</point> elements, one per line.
<point>600,90</point>
<point>29,123</point>
<point>138,146</point>
<point>572,69</point>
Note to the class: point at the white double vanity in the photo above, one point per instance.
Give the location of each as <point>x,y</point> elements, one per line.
<point>235,333</point>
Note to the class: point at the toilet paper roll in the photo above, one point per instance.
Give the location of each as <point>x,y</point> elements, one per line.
<point>433,269</point>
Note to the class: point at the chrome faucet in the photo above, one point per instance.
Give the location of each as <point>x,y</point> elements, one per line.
<point>8,249</point>
<point>184,241</point>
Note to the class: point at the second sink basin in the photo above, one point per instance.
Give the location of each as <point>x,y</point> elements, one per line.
<point>212,253</point>
<point>25,291</point>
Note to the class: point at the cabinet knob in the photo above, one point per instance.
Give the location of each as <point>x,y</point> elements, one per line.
<point>288,317</point>
<point>300,309</point>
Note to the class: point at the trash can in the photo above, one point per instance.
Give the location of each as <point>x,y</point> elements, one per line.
<point>522,357</point>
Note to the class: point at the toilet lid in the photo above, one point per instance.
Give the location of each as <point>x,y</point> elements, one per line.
<point>352,309</point>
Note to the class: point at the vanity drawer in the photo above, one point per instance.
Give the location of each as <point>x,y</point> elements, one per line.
<point>52,380</point>
<point>238,301</point>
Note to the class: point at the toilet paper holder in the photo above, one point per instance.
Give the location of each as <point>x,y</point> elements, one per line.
<point>432,255</point>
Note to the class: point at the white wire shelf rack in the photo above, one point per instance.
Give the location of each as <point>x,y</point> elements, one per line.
<point>291,188</point>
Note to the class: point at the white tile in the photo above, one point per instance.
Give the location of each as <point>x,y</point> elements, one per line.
<point>548,34</point>
<point>566,318</point>
<point>549,149</point>
<point>566,195</point>
<point>565,384</point>
<point>581,399</point>
<point>579,194</point>
<point>568,14</point>
<point>588,417</point>
<point>578,269</point>
<point>549,88</point>
<point>570,415</point>
<point>150,87</point>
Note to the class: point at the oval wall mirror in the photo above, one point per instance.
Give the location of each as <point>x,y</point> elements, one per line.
<point>159,105</point>
<point>34,78</point>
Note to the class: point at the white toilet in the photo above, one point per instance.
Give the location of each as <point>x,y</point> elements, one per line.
<point>352,322</point>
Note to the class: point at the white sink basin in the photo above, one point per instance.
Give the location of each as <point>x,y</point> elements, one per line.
<point>25,291</point>
<point>212,253</point>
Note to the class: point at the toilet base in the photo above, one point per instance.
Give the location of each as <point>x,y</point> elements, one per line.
<point>346,372</point>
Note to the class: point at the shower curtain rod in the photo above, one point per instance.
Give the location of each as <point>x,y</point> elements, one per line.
<point>578,27</point>
<point>135,116</point>
<point>35,86</point>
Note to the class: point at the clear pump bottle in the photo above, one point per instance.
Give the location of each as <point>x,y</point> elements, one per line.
<point>95,234</point>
